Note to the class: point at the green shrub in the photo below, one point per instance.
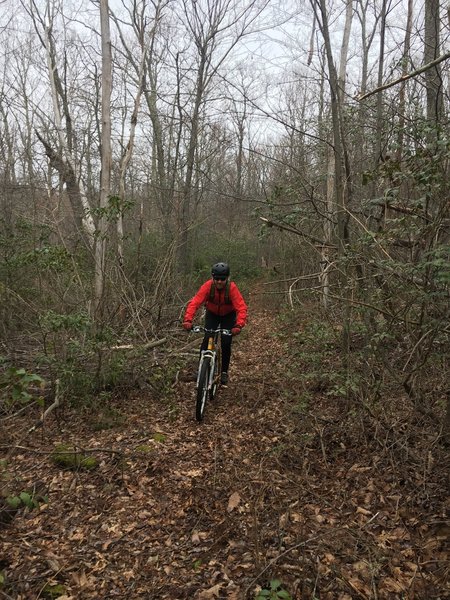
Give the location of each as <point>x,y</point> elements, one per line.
<point>16,386</point>
<point>273,591</point>
<point>67,457</point>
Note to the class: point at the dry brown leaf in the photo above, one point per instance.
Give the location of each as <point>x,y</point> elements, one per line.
<point>233,501</point>
<point>297,518</point>
<point>213,592</point>
<point>391,585</point>
<point>362,511</point>
<point>194,473</point>
<point>80,579</point>
<point>329,558</point>
<point>319,518</point>
<point>359,586</point>
<point>362,568</point>
<point>198,536</point>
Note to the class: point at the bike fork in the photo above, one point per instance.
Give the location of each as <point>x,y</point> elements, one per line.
<point>206,354</point>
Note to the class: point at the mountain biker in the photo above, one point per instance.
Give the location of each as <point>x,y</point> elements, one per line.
<point>225,307</point>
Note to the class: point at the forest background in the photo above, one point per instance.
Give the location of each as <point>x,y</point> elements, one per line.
<point>138,149</point>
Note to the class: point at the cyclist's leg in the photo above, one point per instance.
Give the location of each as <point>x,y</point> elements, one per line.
<point>227,322</point>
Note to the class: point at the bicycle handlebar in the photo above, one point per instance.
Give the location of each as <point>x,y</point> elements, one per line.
<point>199,329</point>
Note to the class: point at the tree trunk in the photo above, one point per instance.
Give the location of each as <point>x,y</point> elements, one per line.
<point>341,213</point>
<point>67,166</point>
<point>105,178</point>
<point>379,121</point>
<point>433,77</point>
<point>402,92</point>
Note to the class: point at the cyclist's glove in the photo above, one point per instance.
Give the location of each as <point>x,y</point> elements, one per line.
<point>187,325</point>
<point>236,330</point>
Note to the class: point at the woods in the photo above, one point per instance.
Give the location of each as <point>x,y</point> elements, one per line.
<point>307,144</point>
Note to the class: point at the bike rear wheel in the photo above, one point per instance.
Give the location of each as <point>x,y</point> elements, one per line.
<point>202,390</point>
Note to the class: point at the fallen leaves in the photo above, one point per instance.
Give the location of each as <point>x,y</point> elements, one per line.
<point>233,501</point>
<point>242,497</point>
<point>212,592</point>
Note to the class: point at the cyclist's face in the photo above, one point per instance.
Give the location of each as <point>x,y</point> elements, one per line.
<point>220,282</point>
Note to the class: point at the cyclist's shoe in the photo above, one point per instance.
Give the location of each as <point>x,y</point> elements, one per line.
<point>224,378</point>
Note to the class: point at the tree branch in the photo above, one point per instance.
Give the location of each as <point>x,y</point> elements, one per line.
<point>404,77</point>
<point>297,232</point>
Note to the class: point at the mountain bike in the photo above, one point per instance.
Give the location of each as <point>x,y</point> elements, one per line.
<point>209,368</point>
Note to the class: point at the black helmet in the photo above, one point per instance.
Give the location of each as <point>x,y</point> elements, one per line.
<point>220,270</point>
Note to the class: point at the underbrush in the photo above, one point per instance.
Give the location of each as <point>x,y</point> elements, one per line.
<point>355,403</point>
<point>371,466</point>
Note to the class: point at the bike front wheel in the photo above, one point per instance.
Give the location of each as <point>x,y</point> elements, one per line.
<point>202,390</point>
<point>216,375</point>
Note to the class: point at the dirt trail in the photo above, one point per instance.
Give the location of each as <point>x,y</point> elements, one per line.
<point>177,517</point>
<point>259,490</point>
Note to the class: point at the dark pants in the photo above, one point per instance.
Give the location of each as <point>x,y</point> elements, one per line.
<point>213,321</point>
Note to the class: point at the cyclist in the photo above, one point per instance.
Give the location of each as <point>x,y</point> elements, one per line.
<point>225,307</point>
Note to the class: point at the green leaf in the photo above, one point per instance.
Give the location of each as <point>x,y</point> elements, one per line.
<point>14,501</point>
<point>275,584</point>
<point>264,594</point>
<point>31,378</point>
<point>27,499</point>
<point>197,564</point>
<point>284,594</point>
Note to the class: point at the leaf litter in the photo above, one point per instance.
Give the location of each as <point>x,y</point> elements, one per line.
<point>215,510</point>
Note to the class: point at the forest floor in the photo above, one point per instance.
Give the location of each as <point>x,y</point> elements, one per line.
<point>269,489</point>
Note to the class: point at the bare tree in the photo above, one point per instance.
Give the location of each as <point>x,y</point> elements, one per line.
<point>320,10</point>
<point>62,159</point>
<point>210,24</point>
<point>105,180</point>
<point>145,27</point>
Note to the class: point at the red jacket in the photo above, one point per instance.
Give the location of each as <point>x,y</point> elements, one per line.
<point>218,306</point>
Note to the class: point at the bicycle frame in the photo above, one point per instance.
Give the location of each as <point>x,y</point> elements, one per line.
<point>208,376</point>
<point>210,352</point>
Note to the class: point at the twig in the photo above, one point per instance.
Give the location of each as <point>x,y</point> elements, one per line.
<point>311,238</point>
<point>371,519</point>
<point>311,276</point>
<point>49,452</point>
<point>322,445</point>
<point>52,406</point>
<point>146,346</point>
<point>274,560</point>
<point>415,347</point>
<point>19,412</point>
<point>291,302</point>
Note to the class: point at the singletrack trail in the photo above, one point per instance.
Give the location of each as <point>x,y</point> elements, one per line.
<point>179,515</point>
<point>264,488</point>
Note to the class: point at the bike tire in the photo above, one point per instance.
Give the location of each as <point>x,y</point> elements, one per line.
<point>202,390</point>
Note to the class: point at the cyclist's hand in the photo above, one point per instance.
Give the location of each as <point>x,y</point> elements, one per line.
<point>236,330</point>
<point>187,325</point>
